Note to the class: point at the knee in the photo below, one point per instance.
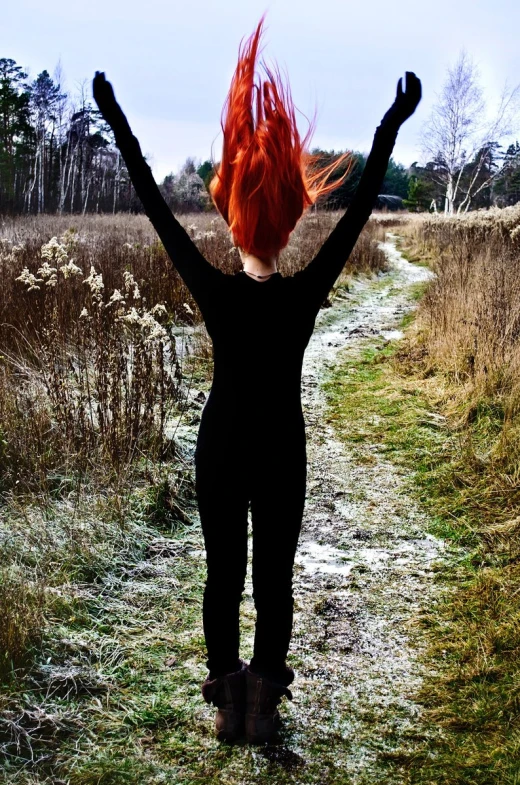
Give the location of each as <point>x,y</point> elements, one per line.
<point>222,583</point>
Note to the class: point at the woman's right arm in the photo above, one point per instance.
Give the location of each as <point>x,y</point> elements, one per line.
<point>198,274</point>
<point>317,279</point>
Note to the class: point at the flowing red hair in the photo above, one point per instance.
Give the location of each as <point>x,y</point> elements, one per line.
<point>266,177</point>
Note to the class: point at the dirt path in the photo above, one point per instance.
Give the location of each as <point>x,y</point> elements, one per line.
<point>363,568</point>
<point>364,559</point>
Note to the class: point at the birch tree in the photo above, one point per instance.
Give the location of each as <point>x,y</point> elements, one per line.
<point>460,138</point>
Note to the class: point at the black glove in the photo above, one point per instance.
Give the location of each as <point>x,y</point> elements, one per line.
<point>405,102</point>
<point>108,106</point>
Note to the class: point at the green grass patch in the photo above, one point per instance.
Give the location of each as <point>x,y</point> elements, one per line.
<point>464,470</point>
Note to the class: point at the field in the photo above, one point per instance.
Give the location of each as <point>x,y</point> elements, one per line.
<point>101,348</point>
<point>89,313</point>
<point>103,366</point>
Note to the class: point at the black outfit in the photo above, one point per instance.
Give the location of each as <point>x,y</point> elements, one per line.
<point>251,442</point>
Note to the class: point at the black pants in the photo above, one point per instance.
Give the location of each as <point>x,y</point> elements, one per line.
<point>267,469</point>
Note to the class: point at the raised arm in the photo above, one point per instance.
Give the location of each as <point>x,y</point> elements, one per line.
<point>320,274</point>
<point>198,274</point>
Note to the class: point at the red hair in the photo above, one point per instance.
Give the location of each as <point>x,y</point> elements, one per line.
<point>266,177</point>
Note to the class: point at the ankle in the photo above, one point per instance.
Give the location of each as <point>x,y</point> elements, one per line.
<point>283,675</point>
<point>219,672</point>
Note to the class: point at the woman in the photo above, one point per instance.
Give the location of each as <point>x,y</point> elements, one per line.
<point>251,445</point>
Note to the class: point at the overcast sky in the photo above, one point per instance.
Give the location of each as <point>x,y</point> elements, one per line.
<point>171,62</point>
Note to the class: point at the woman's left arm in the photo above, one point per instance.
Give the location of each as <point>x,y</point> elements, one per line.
<point>317,279</point>
<point>198,274</point>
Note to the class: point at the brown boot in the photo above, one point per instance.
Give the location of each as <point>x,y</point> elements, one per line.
<point>228,694</point>
<point>263,696</point>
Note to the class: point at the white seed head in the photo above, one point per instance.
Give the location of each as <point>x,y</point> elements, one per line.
<point>54,251</point>
<point>116,297</point>
<point>95,282</point>
<point>70,269</point>
<point>131,285</point>
<point>29,279</point>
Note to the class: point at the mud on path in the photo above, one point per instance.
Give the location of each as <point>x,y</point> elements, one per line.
<point>363,569</point>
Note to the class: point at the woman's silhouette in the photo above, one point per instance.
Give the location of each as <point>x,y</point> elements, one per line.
<point>251,446</point>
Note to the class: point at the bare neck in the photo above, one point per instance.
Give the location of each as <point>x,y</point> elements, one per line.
<point>258,267</point>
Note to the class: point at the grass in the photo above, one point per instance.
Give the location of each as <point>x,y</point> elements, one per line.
<point>90,310</point>
<point>115,668</point>
<point>120,690</point>
<point>389,395</point>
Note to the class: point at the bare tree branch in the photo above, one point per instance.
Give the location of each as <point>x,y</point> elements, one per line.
<point>459,137</point>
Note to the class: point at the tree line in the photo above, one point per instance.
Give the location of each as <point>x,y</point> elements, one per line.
<point>57,155</point>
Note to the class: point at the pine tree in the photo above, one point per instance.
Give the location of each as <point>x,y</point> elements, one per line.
<point>16,134</point>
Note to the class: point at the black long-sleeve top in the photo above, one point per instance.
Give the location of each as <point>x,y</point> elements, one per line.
<point>259,330</point>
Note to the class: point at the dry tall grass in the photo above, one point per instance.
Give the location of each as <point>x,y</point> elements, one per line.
<point>468,341</point>
<point>90,376</point>
<point>472,308</point>
<point>88,311</point>
<point>120,243</point>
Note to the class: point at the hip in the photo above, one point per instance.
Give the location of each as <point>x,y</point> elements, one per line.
<point>277,439</point>
<point>252,417</point>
